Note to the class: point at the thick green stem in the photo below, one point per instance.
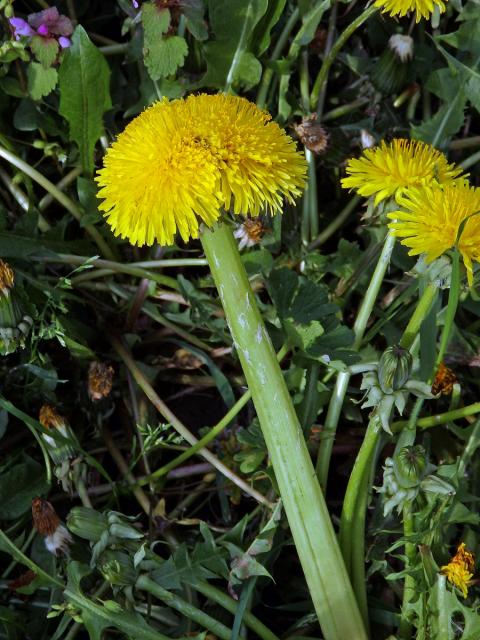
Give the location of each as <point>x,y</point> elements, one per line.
<point>304,503</point>
<point>440,418</point>
<point>341,385</point>
<point>405,628</point>
<point>144,583</point>
<point>334,51</point>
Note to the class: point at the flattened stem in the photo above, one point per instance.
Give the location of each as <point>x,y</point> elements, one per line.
<point>305,506</point>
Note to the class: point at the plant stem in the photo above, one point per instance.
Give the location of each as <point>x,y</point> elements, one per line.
<point>357,485</point>
<point>343,378</point>
<point>440,418</point>
<point>63,199</point>
<point>144,583</point>
<point>405,628</point>
<point>422,309</point>
<point>336,223</point>
<point>251,621</point>
<point>453,298</point>
<point>304,503</point>
<point>268,71</point>
<point>162,408</point>
<point>333,53</point>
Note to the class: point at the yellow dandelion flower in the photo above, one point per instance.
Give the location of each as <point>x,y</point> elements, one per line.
<point>431,220</point>
<point>459,570</point>
<point>388,169</point>
<point>422,8</point>
<point>183,161</point>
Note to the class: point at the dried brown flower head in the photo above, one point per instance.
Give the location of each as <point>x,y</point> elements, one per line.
<point>50,418</point>
<point>45,519</point>
<point>445,378</point>
<point>249,232</point>
<point>312,135</point>
<point>100,380</point>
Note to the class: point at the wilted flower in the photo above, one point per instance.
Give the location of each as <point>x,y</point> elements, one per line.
<point>47,24</point>
<point>436,218</point>
<point>459,570</point>
<point>183,161</point>
<point>444,380</point>
<point>100,380</point>
<point>402,46</point>
<point>52,420</point>
<point>14,325</point>
<point>311,134</point>
<point>249,233</point>
<point>422,8</point>
<point>47,523</point>
<point>389,169</point>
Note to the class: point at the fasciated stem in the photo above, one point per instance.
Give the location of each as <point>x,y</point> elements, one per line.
<point>304,503</point>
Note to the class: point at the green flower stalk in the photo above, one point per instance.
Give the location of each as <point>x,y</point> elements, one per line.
<point>228,155</point>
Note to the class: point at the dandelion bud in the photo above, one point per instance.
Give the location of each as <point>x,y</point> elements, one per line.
<point>117,568</point>
<point>312,135</point>
<point>410,465</point>
<point>14,326</point>
<point>86,523</point>
<point>100,380</point>
<point>47,523</point>
<point>394,368</point>
<point>402,46</point>
<point>389,73</point>
<point>50,419</point>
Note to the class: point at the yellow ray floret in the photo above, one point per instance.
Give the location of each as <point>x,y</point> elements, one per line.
<point>183,161</point>
<point>388,169</point>
<point>422,8</point>
<point>431,220</point>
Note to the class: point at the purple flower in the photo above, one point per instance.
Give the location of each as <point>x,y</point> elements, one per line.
<point>21,28</point>
<point>43,30</point>
<point>64,42</point>
<point>135,4</point>
<point>52,21</point>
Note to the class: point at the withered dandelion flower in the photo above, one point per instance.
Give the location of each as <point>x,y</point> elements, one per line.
<point>459,570</point>
<point>400,8</point>
<point>249,233</point>
<point>432,219</point>
<point>7,278</point>
<point>183,161</point>
<point>388,169</point>
<point>47,523</point>
<point>50,419</point>
<point>100,380</point>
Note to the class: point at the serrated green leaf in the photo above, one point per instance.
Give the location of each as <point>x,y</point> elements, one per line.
<point>41,81</point>
<point>45,50</point>
<point>444,124</point>
<point>162,54</point>
<point>84,78</point>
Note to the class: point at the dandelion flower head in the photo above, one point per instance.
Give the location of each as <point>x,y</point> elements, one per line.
<point>388,169</point>
<point>400,8</point>
<point>183,161</point>
<point>431,220</point>
<point>459,570</point>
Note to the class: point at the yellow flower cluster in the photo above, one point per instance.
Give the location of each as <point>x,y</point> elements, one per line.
<point>184,161</point>
<point>459,570</point>
<point>439,208</point>
<point>422,8</point>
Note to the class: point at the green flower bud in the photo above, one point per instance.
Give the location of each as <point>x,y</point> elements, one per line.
<point>410,464</point>
<point>54,422</point>
<point>389,73</point>
<point>117,568</point>
<point>87,523</point>
<point>394,368</point>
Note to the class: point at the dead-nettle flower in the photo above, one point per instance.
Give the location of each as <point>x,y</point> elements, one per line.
<point>47,24</point>
<point>47,523</point>
<point>402,46</point>
<point>100,380</point>
<point>249,233</point>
